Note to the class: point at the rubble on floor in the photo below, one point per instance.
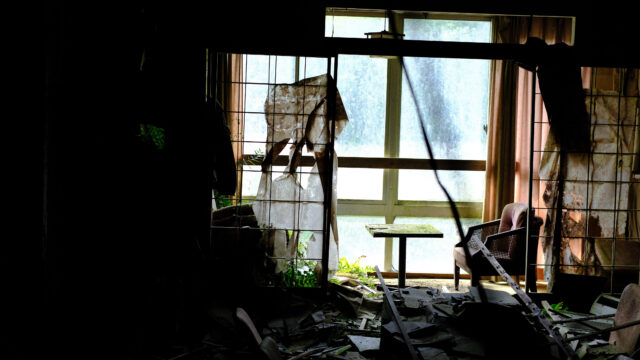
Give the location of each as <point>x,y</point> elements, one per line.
<point>354,323</point>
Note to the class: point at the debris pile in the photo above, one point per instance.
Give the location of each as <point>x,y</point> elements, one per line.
<point>358,322</point>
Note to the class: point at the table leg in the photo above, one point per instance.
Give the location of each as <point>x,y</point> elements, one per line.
<point>402,261</point>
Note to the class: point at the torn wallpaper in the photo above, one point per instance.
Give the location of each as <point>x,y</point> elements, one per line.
<point>599,182</point>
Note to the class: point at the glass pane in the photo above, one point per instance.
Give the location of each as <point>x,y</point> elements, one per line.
<point>362,83</point>
<point>255,98</point>
<point>355,240</point>
<point>431,255</point>
<point>250,180</point>
<point>310,66</point>
<point>453,96</point>
<point>447,30</point>
<point>351,26</point>
<point>262,69</point>
<point>422,185</point>
<point>356,183</point>
<point>255,134</point>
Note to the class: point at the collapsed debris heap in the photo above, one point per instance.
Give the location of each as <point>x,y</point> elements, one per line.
<point>355,324</point>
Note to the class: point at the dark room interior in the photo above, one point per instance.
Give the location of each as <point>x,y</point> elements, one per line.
<point>105,247</point>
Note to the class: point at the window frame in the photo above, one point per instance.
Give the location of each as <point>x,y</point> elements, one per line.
<point>390,206</point>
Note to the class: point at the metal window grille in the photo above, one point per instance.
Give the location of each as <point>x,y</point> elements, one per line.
<point>272,224</point>
<point>599,226</point>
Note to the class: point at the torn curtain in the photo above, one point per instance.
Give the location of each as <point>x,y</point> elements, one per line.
<point>297,115</point>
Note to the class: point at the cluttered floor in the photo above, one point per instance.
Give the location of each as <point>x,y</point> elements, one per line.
<point>426,320</point>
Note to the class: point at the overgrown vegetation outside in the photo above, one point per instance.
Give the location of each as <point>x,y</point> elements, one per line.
<point>356,270</point>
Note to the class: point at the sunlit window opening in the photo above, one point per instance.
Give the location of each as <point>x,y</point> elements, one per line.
<point>453,99</point>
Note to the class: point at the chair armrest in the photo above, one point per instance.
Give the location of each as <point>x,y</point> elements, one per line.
<point>520,232</point>
<point>483,225</point>
<point>494,237</point>
<point>474,228</point>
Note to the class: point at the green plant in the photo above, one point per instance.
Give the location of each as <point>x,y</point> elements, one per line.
<point>151,134</point>
<point>300,274</point>
<point>221,200</point>
<point>361,272</point>
<point>559,307</point>
<point>556,307</point>
<point>256,159</point>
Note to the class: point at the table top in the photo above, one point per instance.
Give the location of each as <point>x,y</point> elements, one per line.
<point>403,230</point>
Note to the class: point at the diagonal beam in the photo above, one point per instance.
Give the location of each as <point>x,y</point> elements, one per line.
<point>562,343</point>
<point>395,316</point>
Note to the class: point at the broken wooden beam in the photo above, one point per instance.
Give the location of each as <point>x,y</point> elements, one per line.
<point>395,316</point>
<point>584,318</point>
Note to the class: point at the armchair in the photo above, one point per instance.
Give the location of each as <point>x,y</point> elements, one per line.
<point>506,239</point>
